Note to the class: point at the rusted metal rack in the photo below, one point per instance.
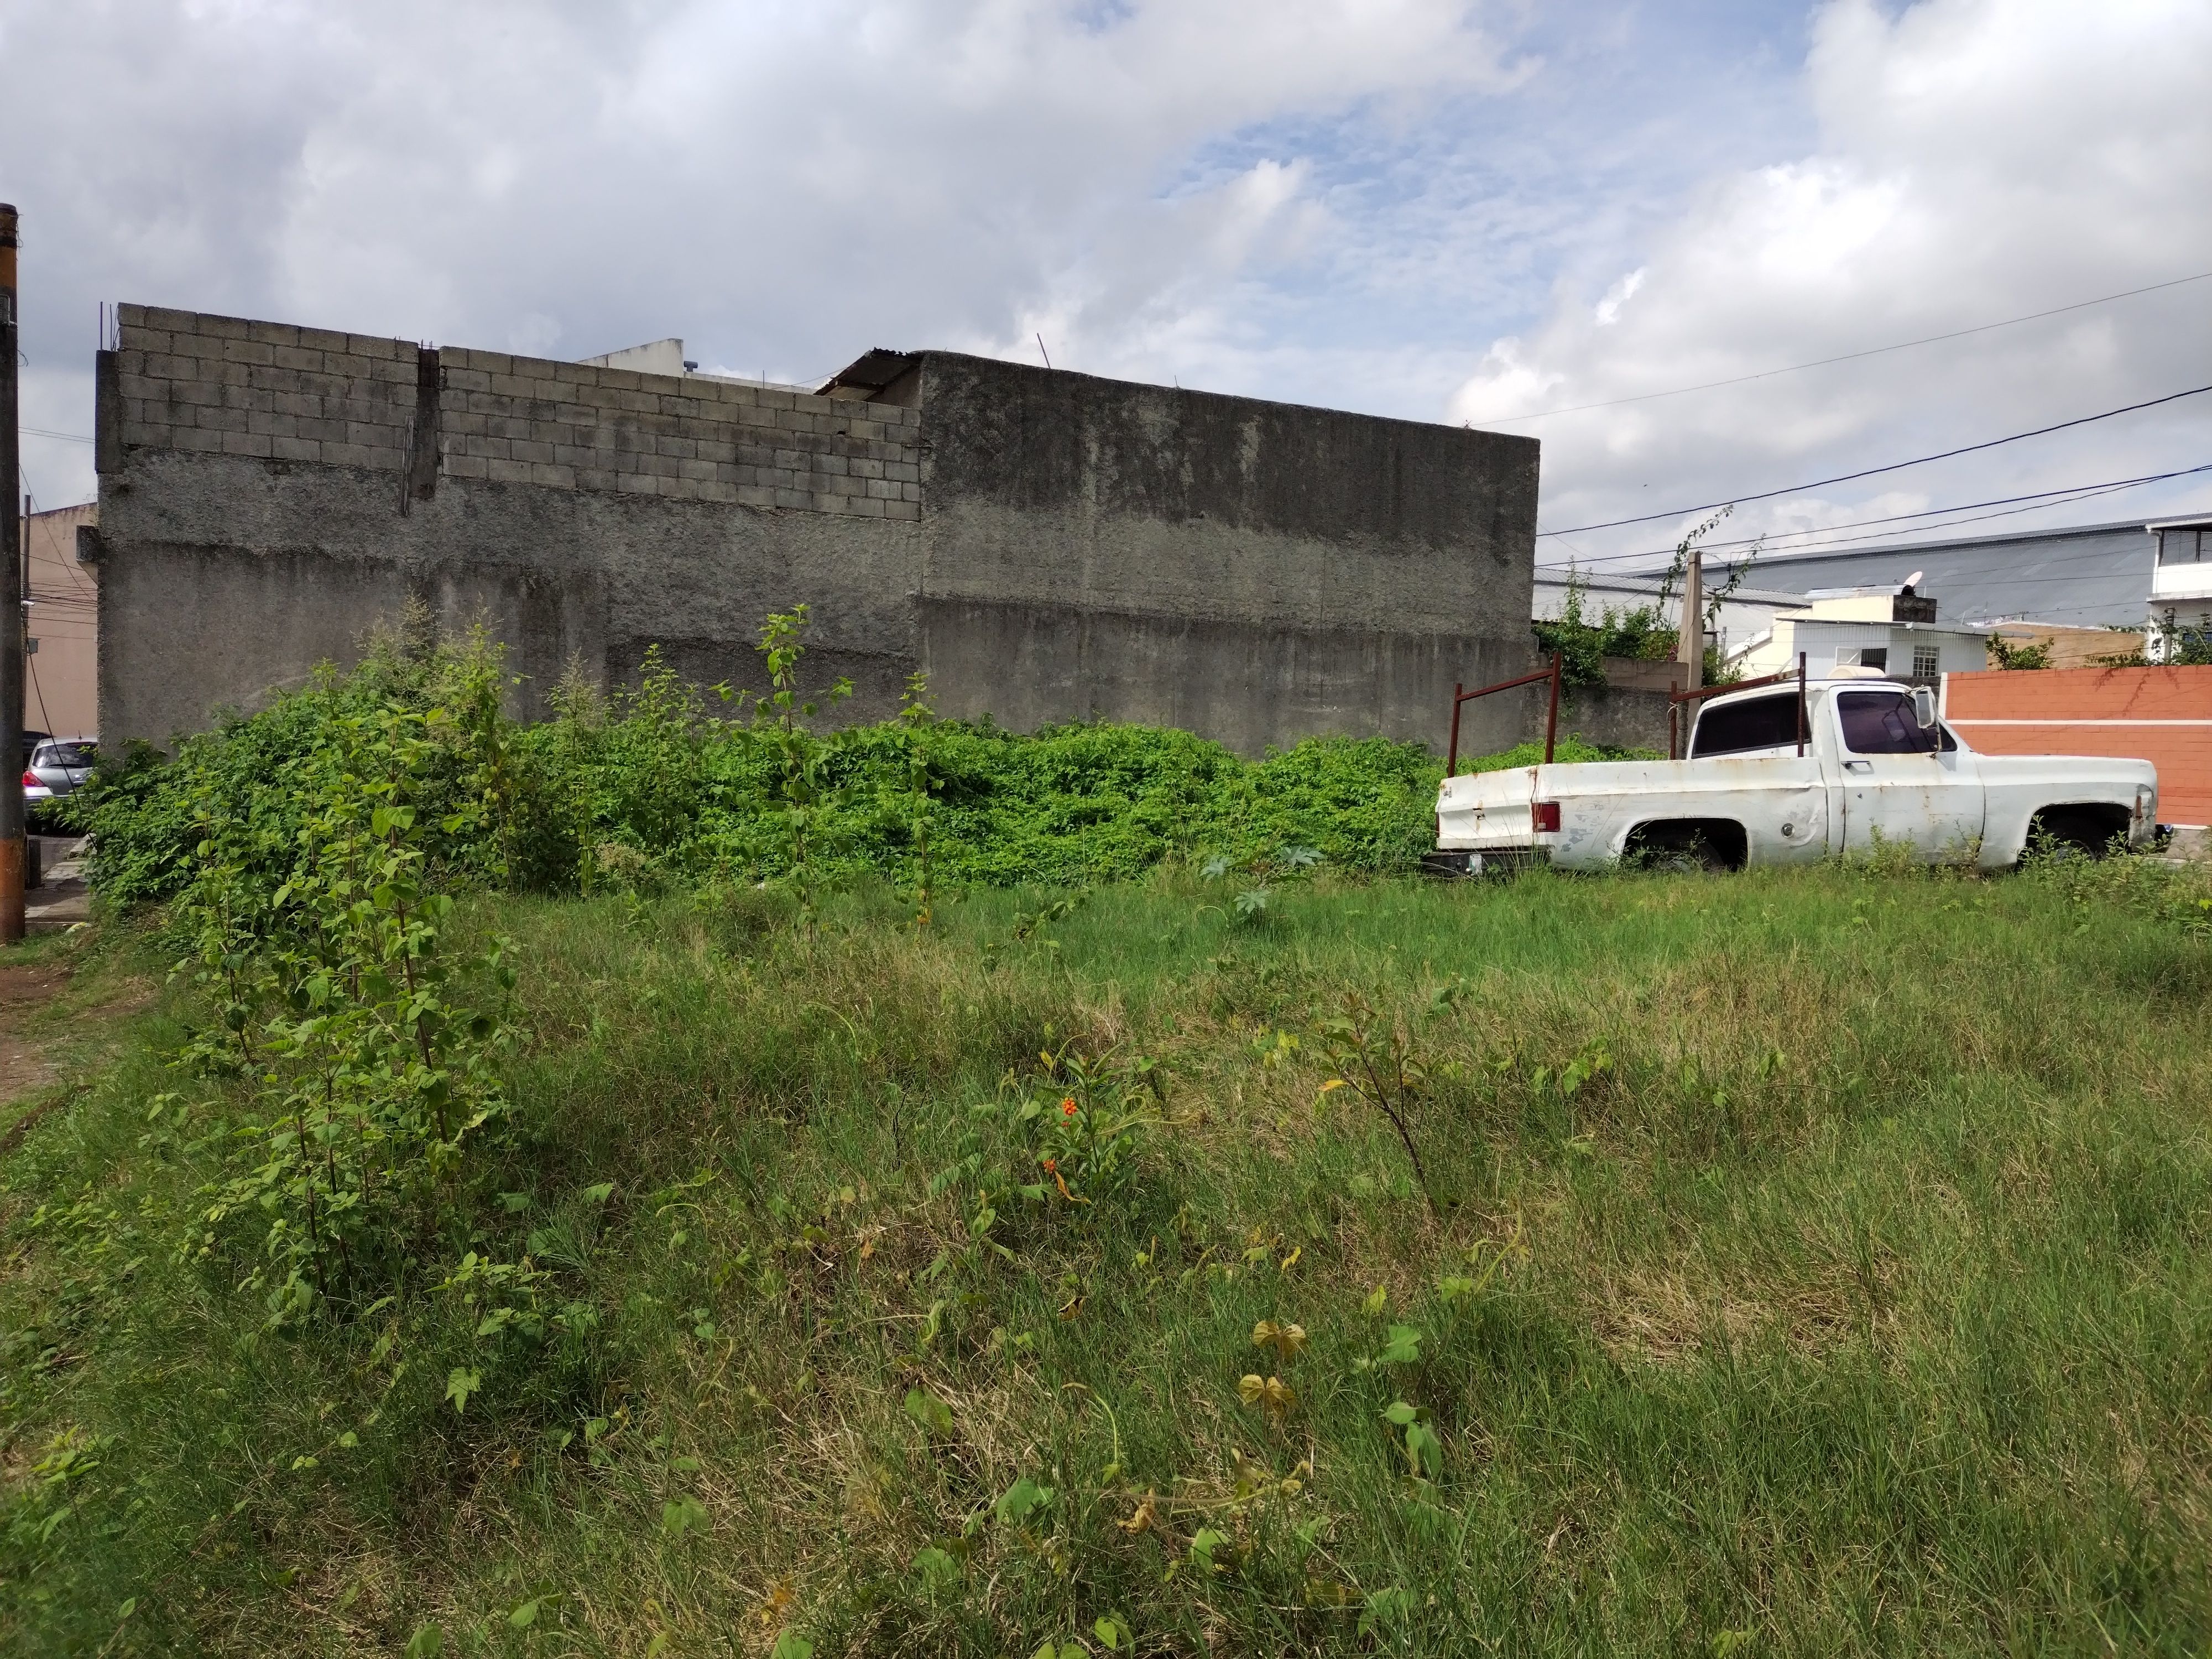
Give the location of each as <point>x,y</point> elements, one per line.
<point>1551,718</point>
<point>1676,699</point>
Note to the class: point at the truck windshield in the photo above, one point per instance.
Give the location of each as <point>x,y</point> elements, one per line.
<point>1881,723</point>
<point>1731,728</point>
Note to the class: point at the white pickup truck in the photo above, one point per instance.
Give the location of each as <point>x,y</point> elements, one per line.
<point>1877,769</point>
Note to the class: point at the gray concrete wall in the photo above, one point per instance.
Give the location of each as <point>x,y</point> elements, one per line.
<point>1046,546</point>
<point>1255,571</point>
<point>262,514</point>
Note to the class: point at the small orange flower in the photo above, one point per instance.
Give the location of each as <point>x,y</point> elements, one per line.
<point>1051,1166</point>
<point>1068,1107</point>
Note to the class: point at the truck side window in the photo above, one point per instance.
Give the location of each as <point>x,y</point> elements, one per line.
<point>1881,723</point>
<point>1733,728</point>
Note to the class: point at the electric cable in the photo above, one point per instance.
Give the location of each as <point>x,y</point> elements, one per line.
<point>2065,497</point>
<point>1848,356</point>
<point>1894,466</point>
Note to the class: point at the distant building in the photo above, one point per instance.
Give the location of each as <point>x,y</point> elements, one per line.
<point>2095,575</point>
<point>2181,584</point>
<point>61,690</point>
<point>1890,632</point>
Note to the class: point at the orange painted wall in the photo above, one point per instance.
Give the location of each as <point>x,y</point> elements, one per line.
<point>2163,715</point>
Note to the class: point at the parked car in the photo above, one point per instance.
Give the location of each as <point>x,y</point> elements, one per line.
<point>1858,764</point>
<point>57,766</point>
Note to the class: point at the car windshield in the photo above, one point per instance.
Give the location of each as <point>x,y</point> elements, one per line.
<point>1733,728</point>
<point>1882,723</point>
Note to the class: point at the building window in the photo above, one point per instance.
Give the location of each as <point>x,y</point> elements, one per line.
<point>2183,546</point>
<point>1927,662</point>
<point>1876,657</point>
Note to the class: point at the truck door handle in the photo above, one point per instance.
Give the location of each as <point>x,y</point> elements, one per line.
<point>1858,766</point>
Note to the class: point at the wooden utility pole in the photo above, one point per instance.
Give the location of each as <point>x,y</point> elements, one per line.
<point>1691,645</point>
<point>13,846</point>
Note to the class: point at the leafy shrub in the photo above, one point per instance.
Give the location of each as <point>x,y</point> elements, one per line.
<point>747,793</point>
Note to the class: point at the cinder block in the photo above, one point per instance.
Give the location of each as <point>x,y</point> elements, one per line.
<point>325,431</point>
<point>717,490</point>
<point>576,414</point>
<point>248,351</point>
<point>360,345</point>
<point>466,466</point>
<point>210,419</point>
<point>461,423</point>
<point>194,394</point>
<point>710,449</point>
<point>634,483</point>
<point>376,434</point>
<point>798,500</point>
<point>511,385</point>
<point>552,475</point>
<point>909,512</point>
<point>130,314</point>
<point>596,477</point>
<point>903,473</point>
<point>314,339</point>
<point>346,454</point>
<point>621,379</point>
<point>509,471</point>
<point>865,468</point>
<point>867,431</point>
<point>295,449</point>
<point>247,443</point>
<point>268,424</point>
<point>637,403</point>
<point>675,448</point>
<point>769,398</point>
<point>831,466</point>
<point>909,492</point>
<point>576,455</point>
<point>493,448</point>
<point>387,460</point>
<point>272,334</point>
<point>219,328</point>
<point>883,491</point>
<point>464,379</point>
<point>531,450</point>
<point>697,471</point>
<point>807,404</point>
<point>193,441</point>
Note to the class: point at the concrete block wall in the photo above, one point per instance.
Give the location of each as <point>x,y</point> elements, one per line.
<point>222,385</point>
<point>1046,546</point>
<point>226,385</point>
<point>570,426</point>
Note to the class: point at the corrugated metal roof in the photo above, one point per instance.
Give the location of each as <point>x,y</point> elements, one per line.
<point>2088,576</point>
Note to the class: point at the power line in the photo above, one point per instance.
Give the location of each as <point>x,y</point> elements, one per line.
<point>1848,356</point>
<point>1875,472</point>
<point>40,432</point>
<point>2043,497</point>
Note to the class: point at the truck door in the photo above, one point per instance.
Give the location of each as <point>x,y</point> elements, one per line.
<point>1903,782</point>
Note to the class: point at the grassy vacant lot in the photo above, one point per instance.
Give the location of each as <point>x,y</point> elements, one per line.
<point>1817,1263</point>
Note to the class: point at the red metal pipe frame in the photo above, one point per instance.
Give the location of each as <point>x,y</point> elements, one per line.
<point>1551,725</point>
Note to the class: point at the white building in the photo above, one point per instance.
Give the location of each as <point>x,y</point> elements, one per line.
<point>2180,583</point>
<point>1846,631</point>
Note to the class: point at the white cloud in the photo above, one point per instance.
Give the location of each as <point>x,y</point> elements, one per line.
<point>1976,159</point>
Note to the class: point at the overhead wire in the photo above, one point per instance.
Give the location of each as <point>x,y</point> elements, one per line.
<point>1848,356</point>
<point>2037,500</point>
<point>1894,466</point>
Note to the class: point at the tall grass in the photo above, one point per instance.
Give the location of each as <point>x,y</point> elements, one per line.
<point>1819,1265</point>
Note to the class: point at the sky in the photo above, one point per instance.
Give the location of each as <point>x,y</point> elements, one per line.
<point>1447,210</point>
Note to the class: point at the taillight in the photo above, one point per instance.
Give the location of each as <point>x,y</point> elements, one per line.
<point>1543,815</point>
<point>31,780</point>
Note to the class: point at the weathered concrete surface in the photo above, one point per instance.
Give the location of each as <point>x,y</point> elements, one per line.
<point>1046,546</point>
<point>1030,665</point>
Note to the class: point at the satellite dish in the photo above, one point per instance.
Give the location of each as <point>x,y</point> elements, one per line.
<point>1913,580</point>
